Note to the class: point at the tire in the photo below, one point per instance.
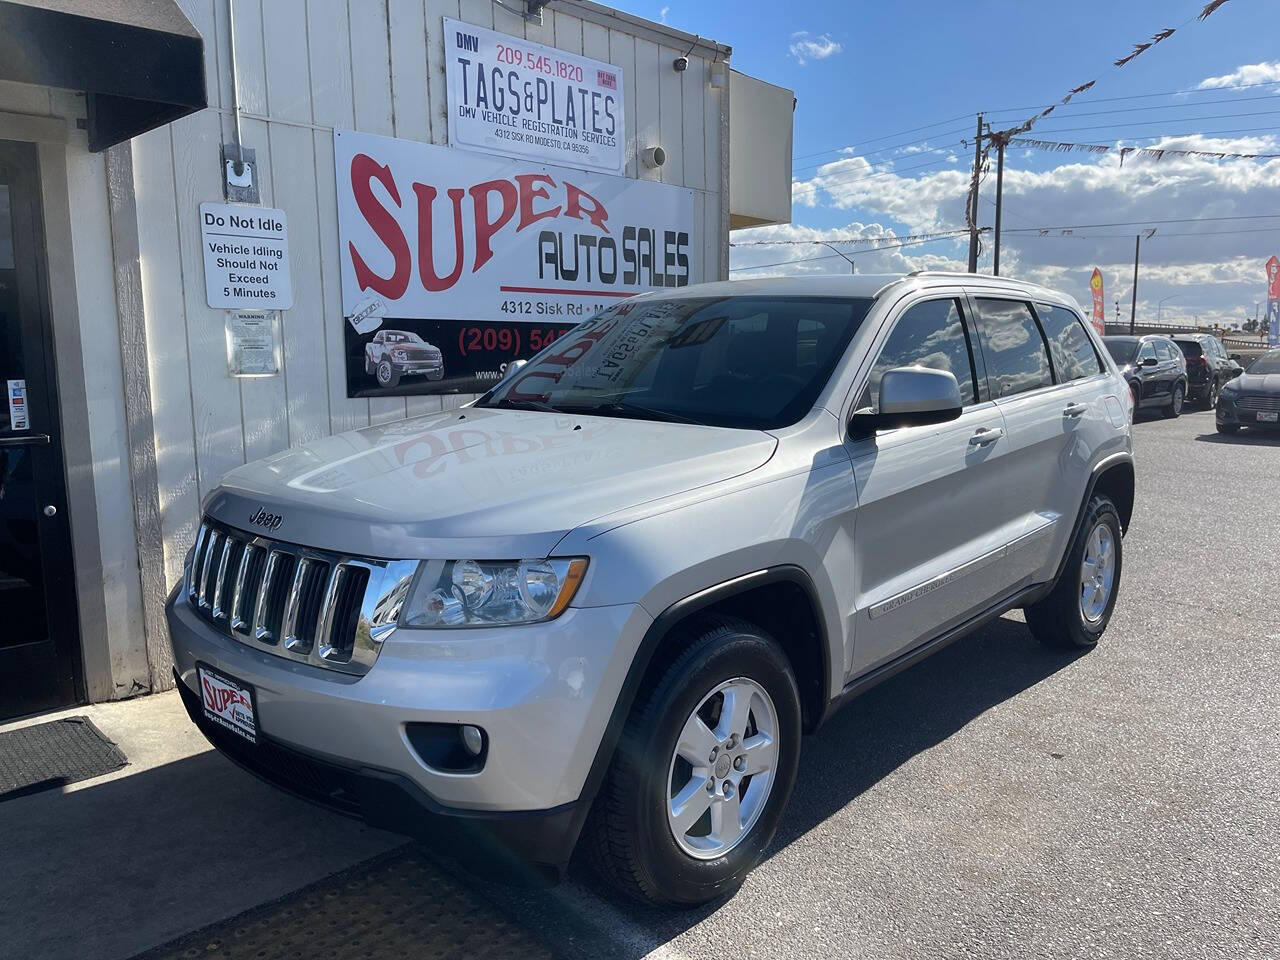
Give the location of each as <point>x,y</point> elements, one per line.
<point>1211,395</point>
<point>1060,620</point>
<point>630,839</point>
<point>1176,397</point>
<point>1230,429</point>
<point>388,376</point>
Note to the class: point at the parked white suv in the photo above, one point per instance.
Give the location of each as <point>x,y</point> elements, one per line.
<point>615,591</point>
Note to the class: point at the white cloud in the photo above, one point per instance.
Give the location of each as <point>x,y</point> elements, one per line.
<point>1217,274</point>
<point>662,14</point>
<point>1250,73</point>
<point>806,46</point>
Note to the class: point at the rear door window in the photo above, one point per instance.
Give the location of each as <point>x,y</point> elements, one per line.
<point>1013,347</point>
<point>1073,355</point>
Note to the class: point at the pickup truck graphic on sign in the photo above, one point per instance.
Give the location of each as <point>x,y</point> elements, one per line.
<point>393,354</point>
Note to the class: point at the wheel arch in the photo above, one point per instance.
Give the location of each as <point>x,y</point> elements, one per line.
<point>781,596</point>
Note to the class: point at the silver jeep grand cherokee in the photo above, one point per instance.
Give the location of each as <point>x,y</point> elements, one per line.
<point>606,599</point>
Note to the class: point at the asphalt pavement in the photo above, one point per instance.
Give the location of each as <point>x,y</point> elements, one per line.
<point>998,800</point>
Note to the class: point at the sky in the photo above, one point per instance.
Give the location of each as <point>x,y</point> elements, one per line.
<point>887,92</point>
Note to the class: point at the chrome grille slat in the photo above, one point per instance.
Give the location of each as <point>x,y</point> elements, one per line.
<point>237,595</point>
<point>211,544</point>
<point>220,580</point>
<point>289,623</point>
<point>314,606</point>
<point>260,630</point>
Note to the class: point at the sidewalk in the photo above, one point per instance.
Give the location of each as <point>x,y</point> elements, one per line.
<point>109,867</point>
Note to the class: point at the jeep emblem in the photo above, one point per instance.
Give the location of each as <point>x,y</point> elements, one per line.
<point>270,521</point>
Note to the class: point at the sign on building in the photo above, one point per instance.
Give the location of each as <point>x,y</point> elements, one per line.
<point>454,264</point>
<point>512,96</point>
<point>246,257</point>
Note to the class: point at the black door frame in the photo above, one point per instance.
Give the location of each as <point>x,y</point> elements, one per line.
<point>21,165</point>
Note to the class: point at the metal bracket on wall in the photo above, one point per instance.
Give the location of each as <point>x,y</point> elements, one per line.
<point>240,174</point>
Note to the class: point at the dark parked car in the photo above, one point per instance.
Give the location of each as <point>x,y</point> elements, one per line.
<point>1208,366</point>
<point>393,354</point>
<point>1154,369</point>
<point>1253,398</point>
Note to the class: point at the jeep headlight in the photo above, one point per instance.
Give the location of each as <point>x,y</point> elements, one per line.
<point>399,356</point>
<point>465,593</point>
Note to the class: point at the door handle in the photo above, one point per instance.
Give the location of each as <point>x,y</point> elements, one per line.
<point>1074,410</point>
<point>985,435</point>
<point>29,440</point>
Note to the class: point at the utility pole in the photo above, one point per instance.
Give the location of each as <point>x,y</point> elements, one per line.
<point>1000,142</point>
<point>1133,310</point>
<point>973,199</point>
<point>1117,311</point>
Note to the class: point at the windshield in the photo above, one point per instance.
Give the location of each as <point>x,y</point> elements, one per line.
<point>1265,364</point>
<point>1122,351</point>
<point>755,362</point>
<point>410,338</point>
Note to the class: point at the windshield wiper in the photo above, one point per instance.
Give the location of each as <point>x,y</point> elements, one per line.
<point>524,404</point>
<point>670,416</point>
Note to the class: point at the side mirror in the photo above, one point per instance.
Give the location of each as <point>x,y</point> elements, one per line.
<point>1150,362</point>
<point>910,397</point>
<point>1235,372</point>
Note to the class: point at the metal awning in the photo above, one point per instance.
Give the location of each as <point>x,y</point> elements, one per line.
<point>140,63</point>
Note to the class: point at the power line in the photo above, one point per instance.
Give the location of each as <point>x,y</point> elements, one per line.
<point>1143,223</point>
<point>896,146</point>
<point>832,256</point>
<point>1068,107</point>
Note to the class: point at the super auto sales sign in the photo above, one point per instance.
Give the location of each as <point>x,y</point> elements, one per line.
<point>500,255</point>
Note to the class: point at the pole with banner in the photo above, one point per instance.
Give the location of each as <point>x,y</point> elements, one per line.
<point>1099,304</point>
<point>1273,302</point>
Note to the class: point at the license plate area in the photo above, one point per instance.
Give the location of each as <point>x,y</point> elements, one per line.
<point>228,702</point>
<point>1268,416</point>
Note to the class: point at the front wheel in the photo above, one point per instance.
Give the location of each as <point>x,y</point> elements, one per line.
<point>388,376</point>
<point>703,771</point>
<point>1174,406</point>
<point>1076,612</point>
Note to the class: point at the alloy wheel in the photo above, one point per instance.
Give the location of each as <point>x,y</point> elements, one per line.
<point>1097,572</point>
<point>722,769</point>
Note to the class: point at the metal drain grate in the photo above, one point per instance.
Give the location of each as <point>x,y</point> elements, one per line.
<point>50,755</point>
<point>395,906</point>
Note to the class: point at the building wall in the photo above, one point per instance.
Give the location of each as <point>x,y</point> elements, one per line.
<point>305,68</point>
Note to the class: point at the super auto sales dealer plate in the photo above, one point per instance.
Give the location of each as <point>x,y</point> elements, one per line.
<point>228,703</point>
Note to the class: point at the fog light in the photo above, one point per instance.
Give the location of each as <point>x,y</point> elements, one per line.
<point>472,739</point>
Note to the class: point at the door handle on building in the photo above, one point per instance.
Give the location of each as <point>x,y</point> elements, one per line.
<point>1074,410</point>
<point>29,440</point>
<point>985,435</point>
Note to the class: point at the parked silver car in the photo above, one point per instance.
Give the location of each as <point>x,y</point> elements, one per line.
<point>609,597</point>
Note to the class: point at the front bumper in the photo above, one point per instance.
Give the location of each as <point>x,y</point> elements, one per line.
<point>413,368</point>
<point>543,693</point>
<point>1228,414</point>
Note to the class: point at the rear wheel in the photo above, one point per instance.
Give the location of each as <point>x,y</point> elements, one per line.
<point>1075,614</point>
<point>703,771</point>
<point>1211,395</point>
<point>1174,407</point>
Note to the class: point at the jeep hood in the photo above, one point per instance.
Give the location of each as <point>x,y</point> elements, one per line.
<point>494,484</point>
